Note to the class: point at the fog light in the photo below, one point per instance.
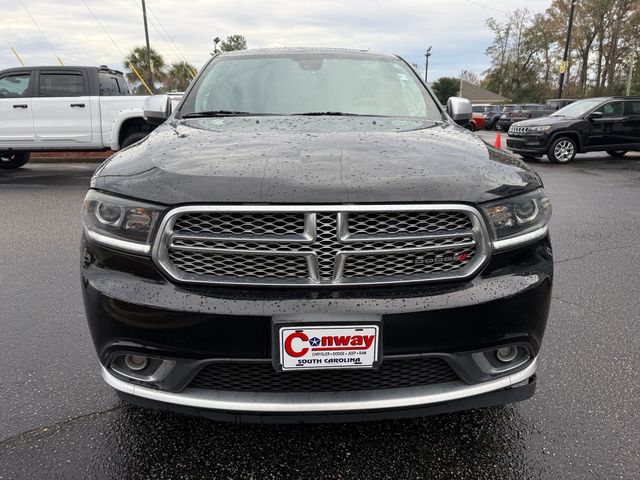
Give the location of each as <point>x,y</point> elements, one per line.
<point>507,354</point>
<point>135,362</point>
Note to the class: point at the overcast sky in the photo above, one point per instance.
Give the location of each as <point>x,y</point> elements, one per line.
<point>455,28</point>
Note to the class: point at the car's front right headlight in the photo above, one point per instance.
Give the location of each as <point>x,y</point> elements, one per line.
<point>539,129</point>
<point>518,220</point>
<point>119,222</point>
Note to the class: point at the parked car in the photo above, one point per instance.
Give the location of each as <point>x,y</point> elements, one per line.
<point>521,112</point>
<point>478,108</point>
<point>556,104</point>
<point>291,246</point>
<point>492,114</point>
<point>610,124</point>
<point>477,122</point>
<point>506,119</point>
<point>66,108</point>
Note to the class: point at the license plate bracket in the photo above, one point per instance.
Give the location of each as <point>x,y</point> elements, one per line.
<point>326,341</point>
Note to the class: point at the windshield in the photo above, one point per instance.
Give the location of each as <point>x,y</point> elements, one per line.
<point>577,109</point>
<point>292,84</point>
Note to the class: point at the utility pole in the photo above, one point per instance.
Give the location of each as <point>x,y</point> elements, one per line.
<point>426,64</point>
<point>462,74</point>
<point>146,36</point>
<point>630,81</point>
<point>563,65</point>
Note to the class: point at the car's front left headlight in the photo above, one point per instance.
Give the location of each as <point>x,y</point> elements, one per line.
<point>518,220</point>
<point>119,222</point>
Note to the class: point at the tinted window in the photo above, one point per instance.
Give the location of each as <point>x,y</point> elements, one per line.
<point>124,88</point>
<point>311,83</point>
<point>108,85</point>
<point>478,108</point>
<point>61,85</point>
<point>13,86</point>
<point>634,108</point>
<point>613,109</point>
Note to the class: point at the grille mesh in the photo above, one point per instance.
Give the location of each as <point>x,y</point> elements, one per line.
<point>326,247</point>
<point>379,223</point>
<point>256,266</point>
<point>261,377</point>
<point>240,223</point>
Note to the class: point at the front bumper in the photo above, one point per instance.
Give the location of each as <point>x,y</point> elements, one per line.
<point>131,308</point>
<point>327,407</point>
<point>528,144</point>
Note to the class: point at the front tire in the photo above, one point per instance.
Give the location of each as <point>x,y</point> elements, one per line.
<point>617,153</point>
<point>13,160</point>
<point>562,150</point>
<point>132,138</point>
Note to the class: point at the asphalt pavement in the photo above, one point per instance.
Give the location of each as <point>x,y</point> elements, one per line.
<point>59,420</point>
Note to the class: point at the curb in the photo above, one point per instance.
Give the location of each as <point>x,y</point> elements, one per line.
<point>66,160</point>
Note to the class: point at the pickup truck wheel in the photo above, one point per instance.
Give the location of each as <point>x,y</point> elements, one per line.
<point>13,160</point>
<point>562,150</point>
<point>132,138</point>
<point>617,153</point>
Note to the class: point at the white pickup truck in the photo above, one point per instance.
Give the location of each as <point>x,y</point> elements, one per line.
<point>66,108</point>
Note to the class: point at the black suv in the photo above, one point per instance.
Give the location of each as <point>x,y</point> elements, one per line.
<point>610,124</point>
<point>291,245</point>
<point>492,114</point>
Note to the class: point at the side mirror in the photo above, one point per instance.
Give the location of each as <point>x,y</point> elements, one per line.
<point>459,109</point>
<point>596,115</point>
<point>157,109</point>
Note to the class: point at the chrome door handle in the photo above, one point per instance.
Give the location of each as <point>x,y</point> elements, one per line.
<point>80,105</point>
<point>22,105</point>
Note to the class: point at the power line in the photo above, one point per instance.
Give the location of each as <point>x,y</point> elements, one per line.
<point>478,4</point>
<point>103,29</point>
<point>184,58</point>
<point>135,71</point>
<point>41,32</point>
<point>12,49</point>
<point>176,51</point>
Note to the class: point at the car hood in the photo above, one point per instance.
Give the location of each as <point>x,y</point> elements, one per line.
<point>297,160</point>
<point>542,121</point>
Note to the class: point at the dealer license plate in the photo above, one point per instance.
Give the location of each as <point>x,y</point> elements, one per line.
<point>331,346</point>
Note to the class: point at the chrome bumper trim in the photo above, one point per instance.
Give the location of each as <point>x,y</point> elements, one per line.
<point>321,402</point>
<point>521,239</point>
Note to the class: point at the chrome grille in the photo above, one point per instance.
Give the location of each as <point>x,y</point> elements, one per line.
<point>517,130</point>
<point>320,245</point>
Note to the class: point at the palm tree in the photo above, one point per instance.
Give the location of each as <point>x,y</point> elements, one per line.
<point>138,58</point>
<point>179,76</point>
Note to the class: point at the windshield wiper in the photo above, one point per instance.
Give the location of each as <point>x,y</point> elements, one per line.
<point>334,114</point>
<point>217,113</point>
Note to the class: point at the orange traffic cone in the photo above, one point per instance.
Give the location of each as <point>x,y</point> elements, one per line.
<point>498,143</point>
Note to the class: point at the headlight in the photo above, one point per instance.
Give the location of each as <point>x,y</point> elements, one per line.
<point>118,222</point>
<point>518,220</point>
<point>544,128</point>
